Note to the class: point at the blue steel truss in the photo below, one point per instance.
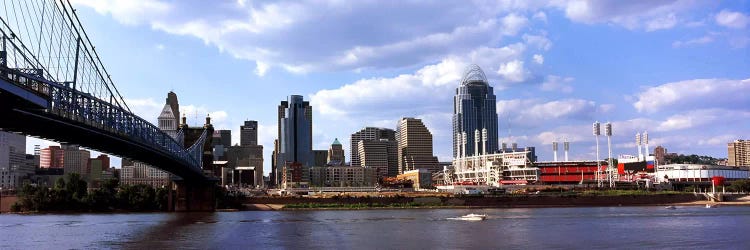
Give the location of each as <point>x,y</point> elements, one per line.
<point>53,58</point>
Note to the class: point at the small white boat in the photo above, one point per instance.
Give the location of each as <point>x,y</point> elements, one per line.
<point>470,217</point>
<point>711,205</point>
<point>670,207</point>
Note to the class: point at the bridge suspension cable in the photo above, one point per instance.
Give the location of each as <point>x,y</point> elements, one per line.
<point>52,44</point>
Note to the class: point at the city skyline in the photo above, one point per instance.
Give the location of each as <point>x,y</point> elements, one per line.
<point>547,63</point>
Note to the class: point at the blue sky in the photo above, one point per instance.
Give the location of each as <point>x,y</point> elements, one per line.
<point>678,69</point>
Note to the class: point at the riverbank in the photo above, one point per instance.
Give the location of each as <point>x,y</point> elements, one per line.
<point>514,201</point>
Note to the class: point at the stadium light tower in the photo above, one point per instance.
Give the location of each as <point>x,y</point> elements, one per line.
<point>638,143</point>
<point>610,169</point>
<point>597,133</point>
<point>554,149</point>
<point>566,146</point>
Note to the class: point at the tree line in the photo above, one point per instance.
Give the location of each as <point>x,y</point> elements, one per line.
<point>70,194</point>
<point>692,159</point>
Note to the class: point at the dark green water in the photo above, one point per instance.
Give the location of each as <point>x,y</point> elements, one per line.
<point>539,228</point>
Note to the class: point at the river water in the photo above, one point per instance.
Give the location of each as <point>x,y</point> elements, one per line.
<point>533,228</point>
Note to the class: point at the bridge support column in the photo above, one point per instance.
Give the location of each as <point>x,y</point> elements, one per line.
<point>192,196</point>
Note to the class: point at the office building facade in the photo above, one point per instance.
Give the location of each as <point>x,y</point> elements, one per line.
<point>220,142</point>
<point>382,155</point>
<point>295,133</point>
<point>474,116</point>
<point>52,157</point>
<point>368,134</point>
<point>76,159</point>
<point>249,133</point>
<point>738,153</point>
<point>414,146</point>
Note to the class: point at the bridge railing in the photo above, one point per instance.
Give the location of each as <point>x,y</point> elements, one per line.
<point>85,108</point>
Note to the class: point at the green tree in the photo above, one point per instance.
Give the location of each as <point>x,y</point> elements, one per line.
<point>76,186</point>
<point>137,198</point>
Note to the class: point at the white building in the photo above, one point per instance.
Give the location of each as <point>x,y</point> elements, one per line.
<point>137,173</point>
<point>494,169</point>
<point>699,172</point>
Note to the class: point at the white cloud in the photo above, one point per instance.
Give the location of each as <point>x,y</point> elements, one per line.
<point>430,86</point>
<point>660,23</point>
<point>196,116</point>
<point>533,112</point>
<point>354,35</point>
<point>538,59</point>
<point>702,117</point>
<point>512,23</point>
<point>697,41</point>
<point>540,42</point>
<point>719,140</point>
<point>557,83</point>
<point>160,47</point>
<point>278,33</point>
<point>145,108</point>
<point>513,71</point>
<point>541,16</point>
<point>712,93</point>
<point>128,12</point>
<point>261,68</point>
<point>633,15</point>
<point>731,19</point>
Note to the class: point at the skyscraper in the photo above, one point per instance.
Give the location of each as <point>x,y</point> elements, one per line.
<point>738,153</point>
<point>336,153</point>
<point>474,115</point>
<point>76,160</point>
<point>414,146</point>
<point>10,143</point>
<point>368,134</point>
<point>295,133</point>
<point>249,133</point>
<point>382,155</point>
<point>52,157</point>
<point>221,141</point>
<point>174,105</point>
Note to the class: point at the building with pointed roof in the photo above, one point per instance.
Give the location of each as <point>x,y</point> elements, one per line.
<point>474,115</point>
<point>336,154</point>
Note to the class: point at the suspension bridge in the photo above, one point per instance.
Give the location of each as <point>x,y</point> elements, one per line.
<point>53,85</point>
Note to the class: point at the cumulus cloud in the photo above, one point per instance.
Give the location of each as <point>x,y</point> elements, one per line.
<point>634,15</point>
<point>732,19</point>
<point>538,59</point>
<point>304,36</point>
<point>533,112</point>
<point>660,23</point>
<point>702,117</point>
<point>127,12</point>
<point>557,83</point>
<point>146,108</point>
<point>697,41</point>
<point>698,93</point>
<point>430,86</point>
<point>513,71</point>
<point>541,16</point>
<point>540,42</point>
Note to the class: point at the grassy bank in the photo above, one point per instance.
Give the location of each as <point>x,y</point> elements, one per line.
<point>352,205</point>
<point>564,199</point>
